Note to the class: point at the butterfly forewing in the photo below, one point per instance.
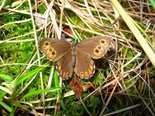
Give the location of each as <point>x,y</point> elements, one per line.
<point>96,46</point>
<point>54,49</point>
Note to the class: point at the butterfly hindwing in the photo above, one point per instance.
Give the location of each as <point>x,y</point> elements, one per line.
<point>65,66</point>
<point>84,66</point>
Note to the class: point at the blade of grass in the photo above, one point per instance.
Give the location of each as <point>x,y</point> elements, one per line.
<point>5,77</point>
<point>39,91</point>
<point>19,80</point>
<point>122,110</point>
<point>33,93</point>
<point>56,81</point>
<point>4,89</point>
<point>152,3</point>
<point>9,109</point>
<point>3,4</point>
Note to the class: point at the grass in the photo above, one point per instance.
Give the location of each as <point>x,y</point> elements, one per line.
<point>29,83</point>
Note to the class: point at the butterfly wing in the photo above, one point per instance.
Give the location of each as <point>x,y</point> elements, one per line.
<point>95,48</point>
<point>84,66</point>
<point>54,49</point>
<point>59,51</point>
<point>65,66</point>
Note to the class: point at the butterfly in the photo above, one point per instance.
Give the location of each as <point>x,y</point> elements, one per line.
<point>81,55</point>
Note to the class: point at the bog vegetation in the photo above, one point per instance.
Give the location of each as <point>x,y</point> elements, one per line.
<point>123,85</point>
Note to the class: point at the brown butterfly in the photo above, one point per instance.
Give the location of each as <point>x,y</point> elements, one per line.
<point>62,52</point>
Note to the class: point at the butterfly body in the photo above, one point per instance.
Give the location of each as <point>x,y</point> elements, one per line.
<point>80,55</point>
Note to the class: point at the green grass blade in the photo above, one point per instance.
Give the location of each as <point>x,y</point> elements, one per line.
<point>19,80</point>
<point>9,109</point>
<point>152,3</point>
<point>56,81</point>
<point>5,77</point>
<point>40,91</point>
